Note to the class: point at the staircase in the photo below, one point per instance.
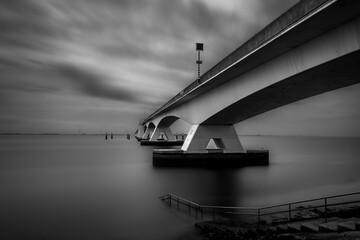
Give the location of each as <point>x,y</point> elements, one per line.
<point>338,213</point>
<point>334,224</point>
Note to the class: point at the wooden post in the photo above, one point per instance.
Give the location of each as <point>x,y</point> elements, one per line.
<point>325,210</point>
<point>289,212</point>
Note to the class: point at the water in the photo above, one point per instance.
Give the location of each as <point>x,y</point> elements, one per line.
<point>83,187</point>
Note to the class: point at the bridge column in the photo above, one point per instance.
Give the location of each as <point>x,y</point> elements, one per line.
<point>148,132</point>
<point>158,130</point>
<point>140,132</point>
<point>207,138</point>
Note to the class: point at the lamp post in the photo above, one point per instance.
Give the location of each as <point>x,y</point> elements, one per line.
<point>199,47</point>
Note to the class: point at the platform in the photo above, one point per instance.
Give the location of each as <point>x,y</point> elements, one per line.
<point>161,143</point>
<point>179,158</point>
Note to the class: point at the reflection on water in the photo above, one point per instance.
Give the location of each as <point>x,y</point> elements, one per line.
<point>83,187</point>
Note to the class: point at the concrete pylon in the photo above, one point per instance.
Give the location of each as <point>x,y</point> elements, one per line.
<point>140,132</point>
<point>205,138</point>
<point>158,130</point>
<point>148,132</point>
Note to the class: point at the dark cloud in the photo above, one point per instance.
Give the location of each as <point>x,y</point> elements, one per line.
<point>92,84</point>
<point>17,80</point>
<point>7,62</point>
<point>164,32</point>
<point>26,9</point>
<point>30,87</point>
<point>195,16</point>
<point>23,24</point>
<point>271,9</point>
<point>263,13</point>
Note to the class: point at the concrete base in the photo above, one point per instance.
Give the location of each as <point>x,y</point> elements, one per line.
<point>161,143</point>
<point>179,158</point>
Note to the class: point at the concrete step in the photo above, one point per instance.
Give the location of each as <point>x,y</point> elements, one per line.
<point>357,226</point>
<point>312,226</point>
<point>272,229</point>
<point>283,228</point>
<point>331,225</point>
<point>338,224</point>
<point>349,224</point>
<point>346,226</point>
<point>294,227</point>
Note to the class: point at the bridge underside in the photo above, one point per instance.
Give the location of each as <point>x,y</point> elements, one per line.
<point>338,73</point>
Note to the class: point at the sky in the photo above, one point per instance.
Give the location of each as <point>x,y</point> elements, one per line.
<point>92,66</point>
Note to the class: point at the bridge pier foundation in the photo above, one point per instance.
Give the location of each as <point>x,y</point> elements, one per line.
<point>162,130</point>
<point>210,146</point>
<point>212,138</point>
<point>148,132</point>
<point>140,132</point>
<point>152,136</point>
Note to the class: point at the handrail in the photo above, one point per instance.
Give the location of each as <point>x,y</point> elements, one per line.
<point>235,208</point>
<point>174,197</point>
<point>259,211</point>
<point>310,200</point>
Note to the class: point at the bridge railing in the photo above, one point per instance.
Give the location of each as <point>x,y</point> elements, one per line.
<point>312,208</point>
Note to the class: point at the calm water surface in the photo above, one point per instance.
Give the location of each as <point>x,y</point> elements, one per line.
<point>83,187</point>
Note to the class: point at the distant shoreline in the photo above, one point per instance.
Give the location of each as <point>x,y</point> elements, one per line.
<point>60,134</point>
<point>124,134</point>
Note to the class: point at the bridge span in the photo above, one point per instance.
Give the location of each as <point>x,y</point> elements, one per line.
<point>311,49</point>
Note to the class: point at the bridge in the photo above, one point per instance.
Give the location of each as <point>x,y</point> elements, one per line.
<point>310,49</point>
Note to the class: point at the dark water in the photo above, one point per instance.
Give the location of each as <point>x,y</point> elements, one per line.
<point>83,187</point>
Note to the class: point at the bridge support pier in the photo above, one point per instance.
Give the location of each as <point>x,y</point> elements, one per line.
<point>152,134</point>
<point>140,132</point>
<point>148,132</point>
<point>212,138</point>
<point>210,146</point>
<point>165,130</point>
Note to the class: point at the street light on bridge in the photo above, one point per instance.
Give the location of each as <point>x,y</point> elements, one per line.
<point>199,47</point>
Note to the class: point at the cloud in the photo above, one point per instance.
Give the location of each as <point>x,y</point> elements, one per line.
<point>157,31</point>
<point>23,24</point>
<point>92,84</point>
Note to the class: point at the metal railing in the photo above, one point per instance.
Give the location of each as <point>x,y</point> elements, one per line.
<point>203,210</point>
<point>285,210</point>
<point>172,199</point>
